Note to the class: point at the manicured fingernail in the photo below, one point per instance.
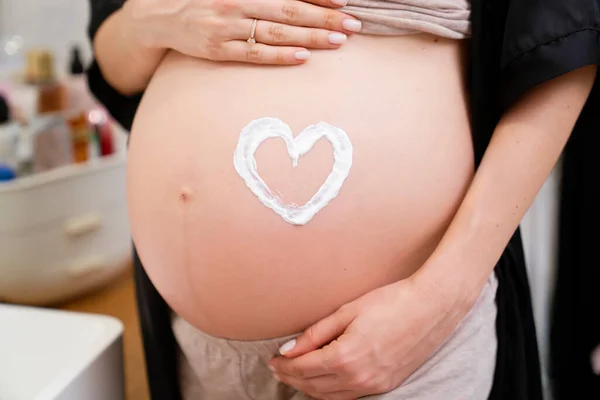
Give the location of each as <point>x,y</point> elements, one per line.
<point>287,347</point>
<point>302,55</point>
<point>337,38</point>
<point>271,368</point>
<point>352,25</point>
<point>276,377</point>
<point>340,3</point>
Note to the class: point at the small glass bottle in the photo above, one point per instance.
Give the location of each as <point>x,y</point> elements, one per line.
<point>41,73</point>
<point>79,97</point>
<point>80,137</point>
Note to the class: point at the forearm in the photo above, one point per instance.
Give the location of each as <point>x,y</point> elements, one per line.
<point>126,64</point>
<point>524,148</point>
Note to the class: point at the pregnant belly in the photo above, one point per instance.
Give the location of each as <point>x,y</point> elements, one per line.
<point>232,266</point>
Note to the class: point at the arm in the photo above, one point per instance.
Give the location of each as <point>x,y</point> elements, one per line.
<point>524,148</point>
<point>372,344</point>
<point>121,107</point>
<point>130,44</point>
<point>126,63</point>
<point>130,37</point>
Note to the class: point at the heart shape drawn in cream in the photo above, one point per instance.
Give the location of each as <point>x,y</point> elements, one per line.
<point>257,131</point>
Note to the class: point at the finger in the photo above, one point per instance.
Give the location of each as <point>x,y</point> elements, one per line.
<point>319,334</point>
<point>309,365</point>
<point>257,53</point>
<point>274,33</point>
<point>325,361</point>
<point>323,388</point>
<point>299,13</point>
<point>328,3</point>
<point>596,360</point>
<point>317,386</point>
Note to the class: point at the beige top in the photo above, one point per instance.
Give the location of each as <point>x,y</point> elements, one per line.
<point>446,18</point>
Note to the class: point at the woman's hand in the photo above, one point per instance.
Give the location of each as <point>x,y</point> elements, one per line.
<point>372,344</point>
<point>218,29</point>
<point>375,342</point>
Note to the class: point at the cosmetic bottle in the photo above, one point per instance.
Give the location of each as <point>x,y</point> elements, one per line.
<point>51,136</point>
<point>79,98</point>
<point>105,135</point>
<point>41,73</point>
<point>81,137</point>
<point>50,132</point>
<point>6,173</point>
<point>9,137</point>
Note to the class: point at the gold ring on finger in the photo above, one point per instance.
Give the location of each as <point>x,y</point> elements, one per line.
<point>251,39</point>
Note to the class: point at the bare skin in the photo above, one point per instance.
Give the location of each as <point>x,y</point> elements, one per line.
<point>131,43</point>
<point>234,269</point>
<point>231,266</point>
<point>406,321</point>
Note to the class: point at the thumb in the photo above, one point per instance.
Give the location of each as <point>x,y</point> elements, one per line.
<point>318,335</point>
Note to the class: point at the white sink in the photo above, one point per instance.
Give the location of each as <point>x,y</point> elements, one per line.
<point>48,354</point>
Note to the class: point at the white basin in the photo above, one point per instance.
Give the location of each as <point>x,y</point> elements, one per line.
<point>59,355</point>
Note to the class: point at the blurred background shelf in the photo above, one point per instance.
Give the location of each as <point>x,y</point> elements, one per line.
<point>64,231</point>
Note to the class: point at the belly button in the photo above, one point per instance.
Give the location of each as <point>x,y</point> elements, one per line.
<point>185,195</point>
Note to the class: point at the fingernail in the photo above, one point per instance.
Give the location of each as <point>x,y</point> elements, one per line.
<point>302,55</point>
<point>337,38</point>
<point>287,347</point>
<point>352,25</point>
<point>271,368</point>
<point>340,3</point>
<point>276,377</point>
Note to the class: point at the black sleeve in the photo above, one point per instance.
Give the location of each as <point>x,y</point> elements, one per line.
<point>100,10</point>
<point>519,44</point>
<point>122,108</point>
<point>546,39</point>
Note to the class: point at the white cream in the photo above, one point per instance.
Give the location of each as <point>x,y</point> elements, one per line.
<point>262,129</point>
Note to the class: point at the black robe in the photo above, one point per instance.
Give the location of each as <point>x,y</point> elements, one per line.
<point>516,44</point>
<point>575,327</point>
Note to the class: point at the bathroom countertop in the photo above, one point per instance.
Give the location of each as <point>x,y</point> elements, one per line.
<point>118,300</point>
